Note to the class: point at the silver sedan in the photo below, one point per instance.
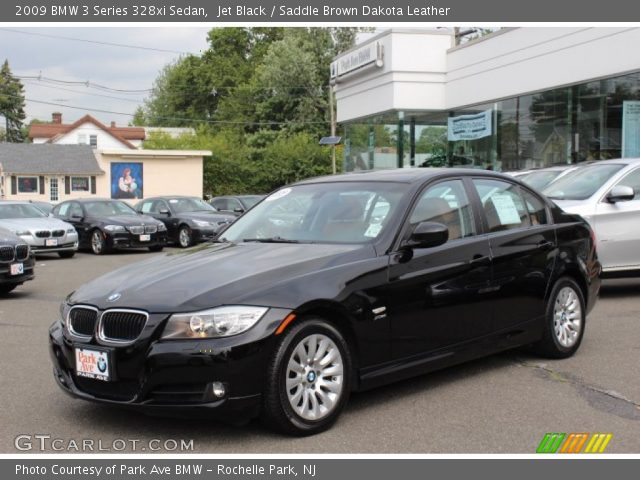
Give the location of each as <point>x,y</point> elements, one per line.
<point>44,234</point>
<point>607,195</point>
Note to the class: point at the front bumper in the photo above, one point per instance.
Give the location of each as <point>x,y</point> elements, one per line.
<point>129,240</point>
<point>5,272</point>
<point>203,234</point>
<point>65,243</point>
<point>173,377</point>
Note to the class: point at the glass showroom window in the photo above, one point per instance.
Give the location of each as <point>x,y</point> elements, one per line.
<point>28,185</point>
<point>79,184</point>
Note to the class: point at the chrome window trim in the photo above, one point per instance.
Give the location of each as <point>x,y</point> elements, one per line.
<point>111,341</point>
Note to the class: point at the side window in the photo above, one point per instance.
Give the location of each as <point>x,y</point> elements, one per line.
<point>446,203</point>
<point>220,204</point>
<point>145,207</point>
<point>503,205</point>
<point>632,180</point>
<point>62,210</point>
<point>535,207</point>
<point>233,204</point>
<point>75,210</point>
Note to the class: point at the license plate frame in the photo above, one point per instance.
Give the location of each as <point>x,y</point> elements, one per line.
<point>50,242</point>
<point>88,364</point>
<point>16,269</point>
<point>145,238</point>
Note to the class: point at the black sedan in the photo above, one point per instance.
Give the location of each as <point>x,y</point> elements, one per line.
<point>16,261</point>
<point>104,225</point>
<point>188,220</point>
<point>386,275</point>
<point>235,204</point>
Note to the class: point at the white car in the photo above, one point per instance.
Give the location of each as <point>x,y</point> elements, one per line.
<point>607,195</point>
<point>42,233</point>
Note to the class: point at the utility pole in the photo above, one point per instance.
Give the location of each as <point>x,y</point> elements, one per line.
<point>332,113</point>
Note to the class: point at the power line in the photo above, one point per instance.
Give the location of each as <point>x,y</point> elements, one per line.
<point>40,84</point>
<point>214,122</point>
<point>97,42</point>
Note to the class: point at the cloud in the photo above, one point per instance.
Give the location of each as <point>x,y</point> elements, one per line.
<point>116,67</point>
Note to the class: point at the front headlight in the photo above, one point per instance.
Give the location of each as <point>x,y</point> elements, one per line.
<point>200,223</point>
<point>162,227</point>
<point>114,228</point>
<point>71,230</point>
<point>217,322</point>
<point>22,233</point>
<point>64,310</point>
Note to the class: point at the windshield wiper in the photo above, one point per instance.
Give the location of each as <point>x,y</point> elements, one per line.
<point>270,240</point>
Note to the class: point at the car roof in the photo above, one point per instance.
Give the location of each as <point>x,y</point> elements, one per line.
<point>398,175</point>
<point>618,161</point>
<point>90,199</point>
<point>166,197</point>
<point>16,202</point>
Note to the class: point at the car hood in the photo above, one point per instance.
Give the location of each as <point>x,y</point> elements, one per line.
<point>580,207</point>
<point>44,223</point>
<point>128,220</point>
<point>214,274</point>
<point>213,217</point>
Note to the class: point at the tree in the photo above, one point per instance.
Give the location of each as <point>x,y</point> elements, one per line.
<point>12,105</point>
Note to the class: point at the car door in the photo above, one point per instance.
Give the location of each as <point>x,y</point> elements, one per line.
<point>78,220</point>
<point>523,250</point>
<point>618,227</point>
<point>220,204</point>
<point>436,296</point>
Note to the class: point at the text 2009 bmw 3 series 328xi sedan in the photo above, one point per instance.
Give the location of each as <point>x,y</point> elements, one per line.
<point>329,286</point>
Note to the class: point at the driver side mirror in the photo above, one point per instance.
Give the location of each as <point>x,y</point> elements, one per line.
<point>620,193</point>
<point>238,210</point>
<point>75,216</point>
<point>164,211</point>
<point>428,234</point>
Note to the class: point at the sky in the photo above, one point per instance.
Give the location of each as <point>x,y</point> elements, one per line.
<point>115,67</point>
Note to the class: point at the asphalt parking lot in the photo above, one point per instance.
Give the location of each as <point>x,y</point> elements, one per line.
<point>502,404</point>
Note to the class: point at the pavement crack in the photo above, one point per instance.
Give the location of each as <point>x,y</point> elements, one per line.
<point>598,397</point>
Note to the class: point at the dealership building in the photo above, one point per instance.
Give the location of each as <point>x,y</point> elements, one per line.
<point>517,98</point>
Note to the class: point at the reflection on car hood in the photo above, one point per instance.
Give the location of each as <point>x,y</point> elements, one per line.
<point>573,206</point>
<point>127,220</point>
<point>211,275</point>
<point>8,238</point>
<point>44,223</point>
<point>206,216</point>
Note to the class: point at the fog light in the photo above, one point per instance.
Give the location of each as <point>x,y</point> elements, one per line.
<point>218,389</point>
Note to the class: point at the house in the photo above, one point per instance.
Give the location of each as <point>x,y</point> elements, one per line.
<point>53,173</point>
<point>86,131</point>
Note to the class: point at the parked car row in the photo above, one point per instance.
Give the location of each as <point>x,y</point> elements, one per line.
<point>606,193</point>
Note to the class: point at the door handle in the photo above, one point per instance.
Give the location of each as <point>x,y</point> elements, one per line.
<point>480,260</point>
<point>545,245</point>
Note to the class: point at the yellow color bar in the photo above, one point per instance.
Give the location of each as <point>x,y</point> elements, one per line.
<point>598,443</point>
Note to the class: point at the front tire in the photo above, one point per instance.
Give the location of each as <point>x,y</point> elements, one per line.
<point>156,248</point>
<point>308,379</point>
<point>6,289</point>
<point>185,237</point>
<point>98,243</point>
<point>564,321</point>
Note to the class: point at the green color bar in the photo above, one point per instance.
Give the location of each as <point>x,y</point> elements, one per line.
<point>550,442</point>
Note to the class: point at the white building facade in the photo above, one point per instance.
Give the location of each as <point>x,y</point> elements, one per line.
<point>518,98</point>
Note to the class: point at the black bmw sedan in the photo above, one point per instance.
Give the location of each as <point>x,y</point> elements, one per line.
<point>381,276</point>
<point>188,220</point>
<point>104,225</point>
<point>17,261</point>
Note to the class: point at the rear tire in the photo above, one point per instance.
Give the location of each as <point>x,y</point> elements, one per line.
<point>66,254</point>
<point>564,321</point>
<point>305,395</point>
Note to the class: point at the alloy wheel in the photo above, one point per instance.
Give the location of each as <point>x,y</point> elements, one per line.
<point>97,242</point>
<point>567,317</point>
<point>314,377</point>
<point>184,237</point>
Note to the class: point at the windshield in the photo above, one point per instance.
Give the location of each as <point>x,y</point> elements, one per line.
<point>539,180</point>
<point>108,209</point>
<point>582,183</point>
<point>250,200</point>
<point>20,210</point>
<point>341,212</point>
<point>182,205</point>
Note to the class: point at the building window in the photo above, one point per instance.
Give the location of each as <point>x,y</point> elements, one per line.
<point>80,184</point>
<point>82,139</point>
<point>93,140</point>
<point>27,184</point>
<point>53,189</point>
